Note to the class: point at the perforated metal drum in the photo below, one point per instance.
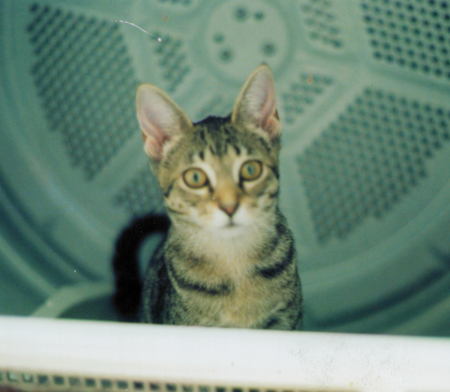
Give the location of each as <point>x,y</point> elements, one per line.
<point>364,95</point>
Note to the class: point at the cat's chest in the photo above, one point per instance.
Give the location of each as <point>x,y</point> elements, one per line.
<point>249,302</point>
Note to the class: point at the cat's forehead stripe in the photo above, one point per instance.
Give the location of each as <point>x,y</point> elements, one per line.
<point>201,134</point>
<point>217,136</point>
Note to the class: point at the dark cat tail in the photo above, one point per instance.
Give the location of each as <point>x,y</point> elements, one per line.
<point>125,261</point>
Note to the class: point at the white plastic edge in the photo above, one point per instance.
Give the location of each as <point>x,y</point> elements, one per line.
<point>225,356</point>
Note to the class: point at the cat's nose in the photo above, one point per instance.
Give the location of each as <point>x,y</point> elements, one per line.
<point>229,209</point>
<point>227,197</point>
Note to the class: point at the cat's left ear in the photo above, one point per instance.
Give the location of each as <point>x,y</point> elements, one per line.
<point>255,105</point>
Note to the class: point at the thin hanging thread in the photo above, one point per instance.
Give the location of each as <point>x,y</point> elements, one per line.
<point>153,36</point>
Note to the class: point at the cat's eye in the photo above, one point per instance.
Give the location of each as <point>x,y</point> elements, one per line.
<point>195,178</point>
<point>251,170</point>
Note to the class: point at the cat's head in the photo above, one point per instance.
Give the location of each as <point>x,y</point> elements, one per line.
<point>220,174</point>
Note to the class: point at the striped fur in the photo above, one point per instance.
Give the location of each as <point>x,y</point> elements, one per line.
<point>229,259</point>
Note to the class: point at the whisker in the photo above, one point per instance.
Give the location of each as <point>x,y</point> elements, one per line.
<point>178,212</point>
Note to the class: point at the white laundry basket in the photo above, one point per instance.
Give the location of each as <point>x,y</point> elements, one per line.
<point>364,95</point>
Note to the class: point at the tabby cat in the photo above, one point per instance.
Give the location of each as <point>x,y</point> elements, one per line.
<point>229,258</point>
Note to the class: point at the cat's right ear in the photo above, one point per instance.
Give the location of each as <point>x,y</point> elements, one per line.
<point>160,119</point>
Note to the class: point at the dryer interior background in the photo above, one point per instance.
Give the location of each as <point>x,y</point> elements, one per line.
<point>364,95</point>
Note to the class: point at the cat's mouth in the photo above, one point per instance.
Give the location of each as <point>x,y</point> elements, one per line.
<point>231,230</point>
<point>233,226</point>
